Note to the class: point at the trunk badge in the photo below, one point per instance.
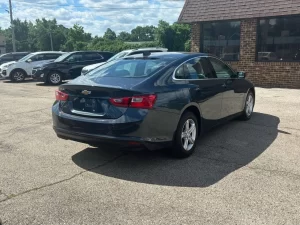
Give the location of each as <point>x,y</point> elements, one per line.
<point>86,92</point>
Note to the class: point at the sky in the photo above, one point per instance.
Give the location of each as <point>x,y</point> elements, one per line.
<point>95,15</point>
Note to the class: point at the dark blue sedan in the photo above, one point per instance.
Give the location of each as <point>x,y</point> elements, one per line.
<point>152,101</point>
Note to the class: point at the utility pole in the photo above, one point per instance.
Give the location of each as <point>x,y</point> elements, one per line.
<point>51,40</point>
<point>12,27</point>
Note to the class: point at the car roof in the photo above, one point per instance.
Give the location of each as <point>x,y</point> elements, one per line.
<point>37,53</point>
<point>91,51</point>
<point>162,55</point>
<point>149,49</point>
<point>15,53</point>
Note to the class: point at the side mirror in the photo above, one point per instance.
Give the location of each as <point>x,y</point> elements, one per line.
<point>29,60</point>
<point>241,74</point>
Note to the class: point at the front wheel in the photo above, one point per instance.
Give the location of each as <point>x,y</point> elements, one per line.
<point>249,106</point>
<point>186,135</point>
<point>54,78</point>
<point>18,76</point>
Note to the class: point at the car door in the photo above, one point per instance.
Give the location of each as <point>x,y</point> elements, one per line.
<point>75,63</point>
<point>205,89</point>
<point>233,93</point>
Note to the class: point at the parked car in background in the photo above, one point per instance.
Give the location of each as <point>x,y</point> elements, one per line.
<point>18,71</point>
<point>3,68</point>
<point>267,56</point>
<point>13,56</point>
<point>122,54</point>
<point>68,66</point>
<point>156,101</point>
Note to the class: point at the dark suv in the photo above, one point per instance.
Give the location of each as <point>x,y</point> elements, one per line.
<point>14,56</point>
<point>68,66</point>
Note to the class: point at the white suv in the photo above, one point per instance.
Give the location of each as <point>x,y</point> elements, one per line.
<point>122,54</point>
<point>18,71</point>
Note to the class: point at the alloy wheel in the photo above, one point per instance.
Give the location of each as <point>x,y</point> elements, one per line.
<point>19,76</point>
<point>55,78</point>
<point>249,105</point>
<point>188,134</point>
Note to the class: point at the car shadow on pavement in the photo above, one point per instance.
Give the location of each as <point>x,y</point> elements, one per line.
<point>48,85</point>
<point>219,153</point>
<point>25,81</point>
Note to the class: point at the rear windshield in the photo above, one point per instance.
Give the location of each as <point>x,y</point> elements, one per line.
<point>129,68</point>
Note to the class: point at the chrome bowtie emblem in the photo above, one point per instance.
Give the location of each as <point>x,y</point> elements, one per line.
<point>86,92</point>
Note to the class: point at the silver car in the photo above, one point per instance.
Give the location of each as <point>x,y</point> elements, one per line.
<point>122,54</point>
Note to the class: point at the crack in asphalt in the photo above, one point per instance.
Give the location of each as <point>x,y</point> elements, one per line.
<point>11,196</point>
<point>263,125</point>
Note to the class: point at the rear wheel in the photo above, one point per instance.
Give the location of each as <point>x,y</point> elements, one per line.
<point>18,76</point>
<point>54,78</point>
<point>185,136</point>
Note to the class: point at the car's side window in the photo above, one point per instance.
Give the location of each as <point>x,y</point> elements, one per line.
<point>17,57</point>
<point>7,57</point>
<point>89,56</point>
<point>191,70</point>
<point>76,57</point>
<point>221,69</point>
<point>51,56</point>
<point>39,57</point>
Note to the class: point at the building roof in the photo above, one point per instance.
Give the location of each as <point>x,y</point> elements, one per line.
<point>212,10</point>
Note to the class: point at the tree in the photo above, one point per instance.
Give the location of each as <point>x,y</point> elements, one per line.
<point>164,35</point>
<point>181,36</point>
<point>146,33</point>
<point>36,37</point>
<point>173,36</point>
<point>77,39</point>
<point>124,36</point>
<point>109,34</point>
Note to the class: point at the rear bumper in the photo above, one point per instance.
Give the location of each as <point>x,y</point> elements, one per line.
<point>132,143</point>
<point>129,131</point>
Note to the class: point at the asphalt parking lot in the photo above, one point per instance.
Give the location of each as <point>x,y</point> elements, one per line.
<point>241,172</point>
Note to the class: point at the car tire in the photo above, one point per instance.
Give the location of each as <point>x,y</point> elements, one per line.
<point>54,78</point>
<point>184,143</point>
<point>18,76</point>
<point>248,107</point>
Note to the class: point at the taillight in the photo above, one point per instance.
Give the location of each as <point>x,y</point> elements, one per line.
<point>61,96</point>
<point>142,101</point>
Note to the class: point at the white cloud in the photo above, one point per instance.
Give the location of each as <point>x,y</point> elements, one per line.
<point>95,15</point>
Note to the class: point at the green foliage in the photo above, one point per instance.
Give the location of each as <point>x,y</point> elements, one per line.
<point>36,37</point>
<point>187,46</point>
<point>110,35</point>
<point>173,36</point>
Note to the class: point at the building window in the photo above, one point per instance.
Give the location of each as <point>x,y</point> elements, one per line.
<point>279,39</point>
<point>222,39</point>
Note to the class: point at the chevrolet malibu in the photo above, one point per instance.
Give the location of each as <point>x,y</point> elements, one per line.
<point>152,101</point>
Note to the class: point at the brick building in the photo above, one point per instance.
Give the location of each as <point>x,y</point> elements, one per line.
<point>260,37</point>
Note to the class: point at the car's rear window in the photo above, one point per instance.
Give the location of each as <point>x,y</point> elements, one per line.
<point>129,68</point>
